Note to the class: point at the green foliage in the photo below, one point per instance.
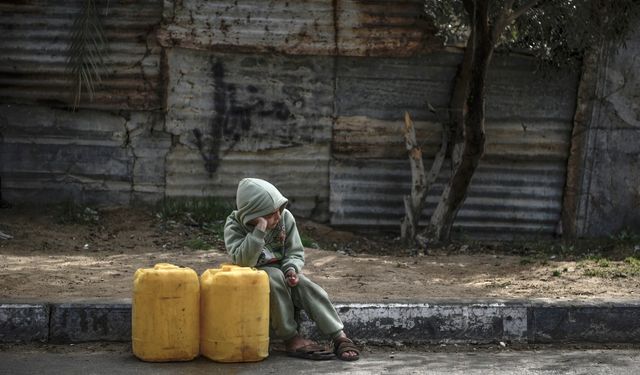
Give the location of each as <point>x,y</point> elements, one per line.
<point>86,53</point>
<point>601,267</point>
<point>633,263</point>
<point>308,241</point>
<point>207,212</point>
<point>558,32</point>
<point>71,213</point>
<point>198,244</point>
<point>625,237</point>
<point>216,228</point>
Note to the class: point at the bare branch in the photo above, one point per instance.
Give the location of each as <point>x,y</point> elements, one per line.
<point>414,202</point>
<point>508,15</point>
<point>522,10</point>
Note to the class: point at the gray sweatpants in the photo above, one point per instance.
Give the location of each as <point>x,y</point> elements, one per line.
<point>307,296</point>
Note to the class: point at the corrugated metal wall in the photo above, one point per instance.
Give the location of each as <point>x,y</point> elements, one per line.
<point>307,27</point>
<point>250,115</point>
<point>518,186</point>
<point>112,150</point>
<point>36,35</point>
<point>308,94</point>
<point>239,114</point>
<point>49,155</point>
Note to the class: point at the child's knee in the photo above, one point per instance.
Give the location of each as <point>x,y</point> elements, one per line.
<point>276,277</point>
<point>308,286</point>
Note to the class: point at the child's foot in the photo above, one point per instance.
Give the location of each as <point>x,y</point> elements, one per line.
<point>345,349</point>
<point>299,347</point>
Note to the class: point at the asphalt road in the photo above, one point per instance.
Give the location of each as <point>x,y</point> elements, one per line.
<point>117,359</point>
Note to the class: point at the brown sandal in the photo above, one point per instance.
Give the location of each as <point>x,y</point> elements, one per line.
<point>311,351</point>
<point>342,345</point>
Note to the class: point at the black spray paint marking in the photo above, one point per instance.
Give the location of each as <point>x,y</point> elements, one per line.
<point>232,120</point>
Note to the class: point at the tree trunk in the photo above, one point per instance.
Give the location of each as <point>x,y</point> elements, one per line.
<point>457,111</point>
<point>452,144</point>
<point>420,183</point>
<point>455,192</point>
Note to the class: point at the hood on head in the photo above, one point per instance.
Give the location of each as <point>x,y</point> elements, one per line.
<point>256,197</point>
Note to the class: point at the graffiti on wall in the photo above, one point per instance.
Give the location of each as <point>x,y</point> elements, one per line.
<point>235,119</point>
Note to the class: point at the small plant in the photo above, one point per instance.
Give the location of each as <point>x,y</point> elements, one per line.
<point>525,261</point>
<point>70,212</point>
<point>594,273</point>
<point>566,250</point>
<point>633,264</point>
<point>194,211</point>
<point>625,236</point>
<point>556,273</point>
<point>308,241</point>
<point>608,269</point>
<point>197,244</point>
<point>87,51</point>
<point>215,228</point>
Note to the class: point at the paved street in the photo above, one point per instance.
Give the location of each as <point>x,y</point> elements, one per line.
<point>115,359</point>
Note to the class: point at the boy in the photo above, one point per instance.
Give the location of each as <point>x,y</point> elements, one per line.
<point>262,233</point>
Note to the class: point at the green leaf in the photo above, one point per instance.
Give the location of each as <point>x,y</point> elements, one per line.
<point>86,53</point>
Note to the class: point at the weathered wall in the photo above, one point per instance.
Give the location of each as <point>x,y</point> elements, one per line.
<point>304,27</point>
<point>609,199</point>
<point>518,186</point>
<point>236,116</point>
<point>327,131</point>
<point>33,53</point>
<point>309,95</point>
<point>50,155</point>
<point>113,149</point>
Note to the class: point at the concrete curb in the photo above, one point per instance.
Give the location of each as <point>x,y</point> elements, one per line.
<point>457,321</point>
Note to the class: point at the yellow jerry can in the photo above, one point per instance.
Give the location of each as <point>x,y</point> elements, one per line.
<point>165,319</point>
<point>234,314</point>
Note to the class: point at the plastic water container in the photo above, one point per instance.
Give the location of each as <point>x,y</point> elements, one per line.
<point>165,320</point>
<point>234,314</point>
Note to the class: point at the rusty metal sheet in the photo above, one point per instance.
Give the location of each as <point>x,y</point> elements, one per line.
<point>308,27</point>
<point>36,35</point>
<point>505,198</point>
<point>294,27</point>
<point>235,116</point>
<point>519,184</point>
<point>384,28</point>
<point>301,173</point>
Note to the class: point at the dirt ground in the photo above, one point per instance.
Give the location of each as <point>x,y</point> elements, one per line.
<point>47,260</point>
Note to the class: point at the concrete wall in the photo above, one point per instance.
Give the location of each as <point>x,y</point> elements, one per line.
<point>609,199</point>
<point>50,155</point>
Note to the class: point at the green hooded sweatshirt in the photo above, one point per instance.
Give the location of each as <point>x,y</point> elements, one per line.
<point>251,247</point>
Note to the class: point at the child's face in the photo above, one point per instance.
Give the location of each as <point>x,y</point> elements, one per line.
<point>273,219</point>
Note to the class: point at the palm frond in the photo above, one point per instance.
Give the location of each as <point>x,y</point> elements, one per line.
<point>86,53</point>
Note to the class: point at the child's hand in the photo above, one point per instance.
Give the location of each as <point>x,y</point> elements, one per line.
<point>292,278</point>
<point>261,223</point>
